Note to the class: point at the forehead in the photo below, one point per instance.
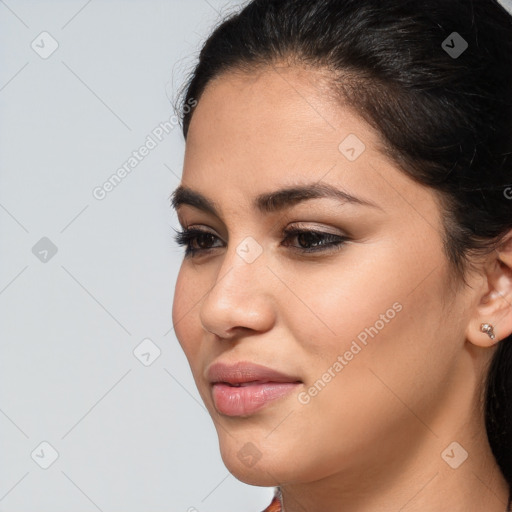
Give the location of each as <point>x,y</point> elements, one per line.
<point>279,106</point>
<point>278,127</point>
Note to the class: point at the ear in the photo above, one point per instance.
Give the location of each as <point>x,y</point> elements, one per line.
<point>495,303</point>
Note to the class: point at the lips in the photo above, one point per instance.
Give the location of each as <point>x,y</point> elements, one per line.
<point>243,388</point>
<point>244,384</point>
<point>242,373</point>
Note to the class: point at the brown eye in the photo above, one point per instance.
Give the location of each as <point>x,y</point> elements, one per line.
<point>309,238</point>
<point>314,241</point>
<point>197,241</point>
<point>203,239</point>
<point>191,237</point>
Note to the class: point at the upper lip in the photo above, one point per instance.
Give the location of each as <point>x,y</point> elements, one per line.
<point>242,372</point>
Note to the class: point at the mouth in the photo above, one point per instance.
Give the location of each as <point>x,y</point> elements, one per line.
<point>247,398</point>
<point>251,383</point>
<point>242,389</point>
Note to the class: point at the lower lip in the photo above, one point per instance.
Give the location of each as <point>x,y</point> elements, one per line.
<point>246,400</point>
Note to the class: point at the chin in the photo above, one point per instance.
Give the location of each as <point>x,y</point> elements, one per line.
<point>256,476</point>
<point>263,468</point>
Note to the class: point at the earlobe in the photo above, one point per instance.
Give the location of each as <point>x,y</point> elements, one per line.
<point>492,319</point>
<point>489,330</point>
<point>483,334</point>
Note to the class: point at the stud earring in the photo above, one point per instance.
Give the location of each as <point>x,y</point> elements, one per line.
<point>488,329</point>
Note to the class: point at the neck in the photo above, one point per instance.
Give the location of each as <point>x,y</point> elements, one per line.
<point>422,485</point>
<point>415,473</point>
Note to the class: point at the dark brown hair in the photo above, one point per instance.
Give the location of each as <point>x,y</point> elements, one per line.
<point>444,112</point>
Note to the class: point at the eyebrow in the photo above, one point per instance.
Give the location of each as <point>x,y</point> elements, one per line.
<point>270,202</point>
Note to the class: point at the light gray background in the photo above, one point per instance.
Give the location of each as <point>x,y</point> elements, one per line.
<point>129,437</point>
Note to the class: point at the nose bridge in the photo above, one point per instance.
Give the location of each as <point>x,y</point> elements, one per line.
<point>243,268</point>
<point>235,300</point>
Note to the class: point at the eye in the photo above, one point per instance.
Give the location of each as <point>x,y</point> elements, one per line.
<point>188,237</point>
<point>199,241</point>
<point>314,241</point>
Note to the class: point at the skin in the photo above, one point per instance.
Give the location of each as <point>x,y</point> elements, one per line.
<point>372,438</point>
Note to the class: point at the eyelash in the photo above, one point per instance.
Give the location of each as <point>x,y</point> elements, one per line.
<point>187,236</point>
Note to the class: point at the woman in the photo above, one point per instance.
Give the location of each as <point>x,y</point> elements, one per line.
<point>345,297</point>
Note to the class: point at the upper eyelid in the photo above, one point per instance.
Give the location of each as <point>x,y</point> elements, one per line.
<point>304,224</point>
<point>293,230</point>
<point>323,231</point>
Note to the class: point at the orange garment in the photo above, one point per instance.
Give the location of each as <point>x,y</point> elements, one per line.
<point>276,505</point>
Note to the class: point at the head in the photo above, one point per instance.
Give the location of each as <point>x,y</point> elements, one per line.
<point>369,299</point>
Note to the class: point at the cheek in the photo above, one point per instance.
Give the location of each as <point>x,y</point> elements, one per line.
<point>386,324</point>
<point>366,292</point>
<point>352,404</point>
<point>375,316</point>
<point>356,297</point>
<point>184,315</point>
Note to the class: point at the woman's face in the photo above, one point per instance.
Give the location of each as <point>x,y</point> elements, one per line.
<point>364,328</point>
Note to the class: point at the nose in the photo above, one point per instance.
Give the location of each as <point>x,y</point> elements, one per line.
<point>241,298</point>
